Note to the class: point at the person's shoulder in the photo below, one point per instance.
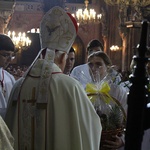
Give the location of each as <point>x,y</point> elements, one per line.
<point>70,81</point>
<point>78,69</point>
<point>17,87</point>
<point>68,78</point>
<point>6,72</point>
<point>10,75</point>
<point>80,66</point>
<point>117,88</point>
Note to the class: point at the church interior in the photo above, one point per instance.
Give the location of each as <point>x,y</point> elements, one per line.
<point>118,27</point>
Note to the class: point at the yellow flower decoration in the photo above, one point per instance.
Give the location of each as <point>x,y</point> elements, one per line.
<point>104,89</point>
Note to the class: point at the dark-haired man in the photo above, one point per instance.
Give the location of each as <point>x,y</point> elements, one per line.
<point>94,46</point>
<point>70,61</point>
<point>6,79</point>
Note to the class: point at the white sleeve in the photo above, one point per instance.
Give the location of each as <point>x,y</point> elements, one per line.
<point>119,93</point>
<point>74,73</point>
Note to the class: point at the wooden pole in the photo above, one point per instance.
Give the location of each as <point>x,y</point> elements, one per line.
<point>137,98</point>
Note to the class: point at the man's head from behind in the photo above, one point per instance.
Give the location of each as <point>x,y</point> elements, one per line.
<point>6,50</point>
<point>94,46</point>
<point>58,31</point>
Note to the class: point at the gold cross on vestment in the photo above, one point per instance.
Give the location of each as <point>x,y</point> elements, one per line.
<point>32,101</point>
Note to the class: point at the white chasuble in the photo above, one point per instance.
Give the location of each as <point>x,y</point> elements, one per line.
<point>6,139</point>
<point>67,122</point>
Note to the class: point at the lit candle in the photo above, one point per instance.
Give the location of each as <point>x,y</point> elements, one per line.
<point>38,30</point>
<point>33,30</point>
<point>9,33</point>
<point>20,40</point>
<point>85,14</point>
<point>13,34</point>
<point>23,34</point>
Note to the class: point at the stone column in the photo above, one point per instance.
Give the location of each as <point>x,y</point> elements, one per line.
<point>104,30</point>
<point>6,10</point>
<point>123,34</point>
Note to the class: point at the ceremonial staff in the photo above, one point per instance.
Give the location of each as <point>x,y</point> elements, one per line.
<point>138,97</point>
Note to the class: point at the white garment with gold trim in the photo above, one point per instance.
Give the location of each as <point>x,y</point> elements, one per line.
<point>67,122</point>
<point>6,139</point>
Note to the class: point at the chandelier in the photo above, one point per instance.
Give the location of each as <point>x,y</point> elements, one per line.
<point>115,48</point>
<point>87,15</point>
<point>20,40</point>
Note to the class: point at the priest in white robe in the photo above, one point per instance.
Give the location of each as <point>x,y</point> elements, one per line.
<point>6,79</point>
<point>6,139</point>
<point>49,110</point>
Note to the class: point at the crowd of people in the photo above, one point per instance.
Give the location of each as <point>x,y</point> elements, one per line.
<point>17,71</point>
<point>46,105</point>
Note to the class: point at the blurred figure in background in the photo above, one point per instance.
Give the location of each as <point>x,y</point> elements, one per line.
<point>70,61</point>
<point>6,79</point>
